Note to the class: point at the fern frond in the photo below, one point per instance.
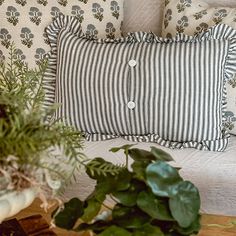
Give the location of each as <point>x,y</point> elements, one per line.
<point>25,132</point>
<point>102,168</point>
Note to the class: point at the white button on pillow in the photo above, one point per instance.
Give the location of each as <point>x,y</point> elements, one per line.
<point>132,63</point>
<point>131,105</point>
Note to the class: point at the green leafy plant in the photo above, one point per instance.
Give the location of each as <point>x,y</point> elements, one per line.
<point>150,198</point>
<point>28,139</point>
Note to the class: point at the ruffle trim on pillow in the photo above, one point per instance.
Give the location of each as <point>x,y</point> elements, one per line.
<point>53,31</point>
<point>58,24</point>
<point>218,145</point>
<point>220,31</point>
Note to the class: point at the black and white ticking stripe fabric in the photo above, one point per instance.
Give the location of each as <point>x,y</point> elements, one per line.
<point>142,88</point>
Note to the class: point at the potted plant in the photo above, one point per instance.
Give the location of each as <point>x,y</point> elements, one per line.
<point>29,164</point>
<point>150,198</point>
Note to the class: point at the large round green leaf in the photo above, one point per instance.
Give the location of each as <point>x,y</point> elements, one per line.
<point>92,209</point>
<point>162,179</point>
<point>129,196</point>
<point>141,155</point>
<point>129,217</point>
<point>148,230</point>
<point>156,208</point>
<point>72,211</point>
<point>119,182</point>
<point>126,198</point>
<point>139,169</point>
<point>185,204</point>
<point>161,155</point>
<point>115,231</point>
<point>193,229</point>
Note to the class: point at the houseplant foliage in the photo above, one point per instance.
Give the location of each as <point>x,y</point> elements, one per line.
<point>150,198</point>
<point>28,139</point>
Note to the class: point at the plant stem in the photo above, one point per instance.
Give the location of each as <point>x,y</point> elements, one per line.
<point>37,93</point>
<point>127,159</point>
<point>113,199</point>
<point>107,206</point>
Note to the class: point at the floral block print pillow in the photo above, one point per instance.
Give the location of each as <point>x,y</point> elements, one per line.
<point>192,17</point>
<point>24,21</point>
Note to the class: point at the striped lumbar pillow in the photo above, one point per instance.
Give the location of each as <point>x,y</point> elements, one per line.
<point>193,17</point>
<point>142,88</point>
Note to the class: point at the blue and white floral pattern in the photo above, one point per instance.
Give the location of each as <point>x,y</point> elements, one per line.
<point>40,55</point>
<point>35,15</point>
<point>12,15</point>
<point>78,13</point>
<point>27,37</point>
<point>5,37</point>
<point>23,22</point>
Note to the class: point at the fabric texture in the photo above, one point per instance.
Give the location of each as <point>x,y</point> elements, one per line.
<point>24,21</point>
<point>193,17</point>
<point>142,87</point>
